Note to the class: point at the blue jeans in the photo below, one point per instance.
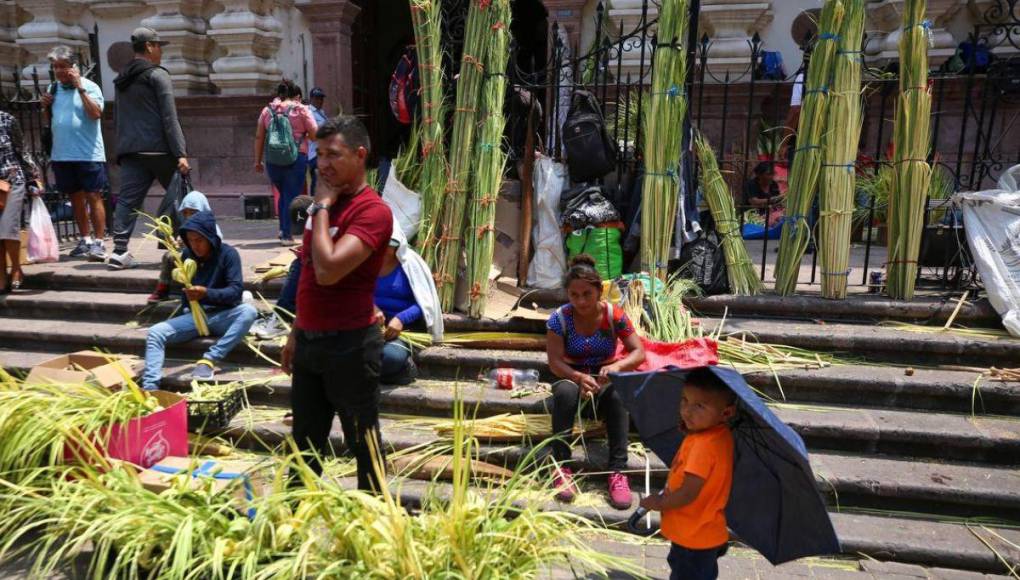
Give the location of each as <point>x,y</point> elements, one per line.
<point>289,180</point>
<point>687,564</point>
<point>394,359</point>
<point>313,173</point>
<point>288,294</point>
<point>231,325</point>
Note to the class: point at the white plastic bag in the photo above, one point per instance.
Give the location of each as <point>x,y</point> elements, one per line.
<point>42,239</point>
<point>992,222</point>
<point>550,262</point>
<point>404,203</point>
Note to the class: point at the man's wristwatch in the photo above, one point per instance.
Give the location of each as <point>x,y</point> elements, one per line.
<point>315,207</point>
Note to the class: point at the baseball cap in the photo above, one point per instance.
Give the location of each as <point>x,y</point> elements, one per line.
<point>317,92</point>
<point>144,34</point>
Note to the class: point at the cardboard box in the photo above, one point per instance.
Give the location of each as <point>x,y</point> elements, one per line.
<point>84,367</point>
<point>147,440</point>
<point>255,477</point>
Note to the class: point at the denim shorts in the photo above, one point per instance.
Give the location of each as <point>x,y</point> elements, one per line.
<point>74,176</point>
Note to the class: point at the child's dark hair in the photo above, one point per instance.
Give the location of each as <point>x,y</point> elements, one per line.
<point>703,378</point>
<point>299,211</point>
<point>582,267</point>
<point>765,167</point>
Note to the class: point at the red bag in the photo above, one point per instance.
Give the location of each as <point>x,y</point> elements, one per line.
<point>689,354</point>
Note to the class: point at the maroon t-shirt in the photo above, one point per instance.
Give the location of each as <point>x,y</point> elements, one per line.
<point>348,304</point>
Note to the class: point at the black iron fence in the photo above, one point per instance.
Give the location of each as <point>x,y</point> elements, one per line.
<point>23,101</point>
<point>745,111</point>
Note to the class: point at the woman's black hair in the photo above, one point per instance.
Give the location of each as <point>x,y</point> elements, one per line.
<point>765,167</point>
<point>582,267</point>
<point>287,89</point>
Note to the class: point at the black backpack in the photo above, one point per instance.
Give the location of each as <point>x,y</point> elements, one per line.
<point>704,262</point>
<point>590,149</point>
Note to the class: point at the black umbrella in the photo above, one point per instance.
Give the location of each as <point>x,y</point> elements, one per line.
<point>774,504</point>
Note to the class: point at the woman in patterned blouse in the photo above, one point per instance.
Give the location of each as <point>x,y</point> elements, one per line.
<point>581,348</point>
<point>19,174</point>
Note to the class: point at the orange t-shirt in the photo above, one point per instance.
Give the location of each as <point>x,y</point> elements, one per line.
<point>701,524</point>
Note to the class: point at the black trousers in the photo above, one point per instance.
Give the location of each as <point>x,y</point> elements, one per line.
<point>339,374</point>
<point>606,407</point>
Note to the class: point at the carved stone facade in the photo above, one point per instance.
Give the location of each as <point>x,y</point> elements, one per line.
<point>53,22</point>
<point>180,22</point>
<point>885,26</point>
<point>729,24</point>
<point>10,52</point>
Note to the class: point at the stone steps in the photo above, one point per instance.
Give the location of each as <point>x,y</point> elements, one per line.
<point>989,439</point>
<point>896,538</point>
<point>855,308</point>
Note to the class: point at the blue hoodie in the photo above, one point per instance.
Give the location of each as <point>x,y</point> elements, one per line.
<point>220,272</point>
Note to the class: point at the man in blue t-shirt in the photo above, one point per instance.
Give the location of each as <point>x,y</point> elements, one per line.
<point>317,99</point>
<point>74,106</point>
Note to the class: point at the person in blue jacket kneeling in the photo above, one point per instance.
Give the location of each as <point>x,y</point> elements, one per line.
<point>218,286</point>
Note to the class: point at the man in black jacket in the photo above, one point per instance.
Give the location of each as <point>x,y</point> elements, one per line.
<point>150,142</point>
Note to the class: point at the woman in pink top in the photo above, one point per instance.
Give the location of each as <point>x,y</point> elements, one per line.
<point>289,180</point>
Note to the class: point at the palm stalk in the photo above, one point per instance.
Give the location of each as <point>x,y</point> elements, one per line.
<point>911,136</point>
<point>807,159</point>
<point>842,138</point>
<point>739,268</point>
<point>489,161</point>
<point>184,270</point>
<point>443,253</point>
<point>663,135</point>
<point>426,17</point>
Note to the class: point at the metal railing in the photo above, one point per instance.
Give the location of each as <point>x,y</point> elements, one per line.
<point>743,111</point>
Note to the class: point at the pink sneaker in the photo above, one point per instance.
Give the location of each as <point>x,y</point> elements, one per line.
<point>619,491</point>
<point>563,481</point>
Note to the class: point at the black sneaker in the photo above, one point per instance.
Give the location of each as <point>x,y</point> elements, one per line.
<point>81,250</point>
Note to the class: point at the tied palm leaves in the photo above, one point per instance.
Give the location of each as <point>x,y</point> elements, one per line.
<point>911,137</point>
<point>489,161</point>
<point>664,117</point>
<point>807,159</point>
<point>739,268</point>
<point>162,232</point>
<point>443,252</point>
<point>426,17</point>
<point>842,138</point>
<point>183,275</point>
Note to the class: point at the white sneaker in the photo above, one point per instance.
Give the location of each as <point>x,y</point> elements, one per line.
<point>121,261</point>
<point>81,250</point>
<point>247,298</point>
<point>97,252</point>
<point>270,328</point>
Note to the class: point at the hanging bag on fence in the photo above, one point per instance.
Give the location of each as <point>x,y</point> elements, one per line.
<point>602,244</point>
<point>42,239</point>
<point>281,148</point>
<point>704,261</point>
<point>590,149</point>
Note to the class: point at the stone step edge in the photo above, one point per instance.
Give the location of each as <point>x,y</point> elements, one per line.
<point>593,460</point>
<point>870,543</point>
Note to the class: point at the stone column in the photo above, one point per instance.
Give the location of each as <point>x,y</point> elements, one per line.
<point>330,24</point>
<point>10,52</point>
<point>250,35</point>
<point>568,14</point>
<point>885,26</point>
<point>730,24</point>
<point>53,22</point>
<point>180,23</point>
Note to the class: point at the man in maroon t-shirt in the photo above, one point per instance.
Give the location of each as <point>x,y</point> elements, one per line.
<point>334,350</point>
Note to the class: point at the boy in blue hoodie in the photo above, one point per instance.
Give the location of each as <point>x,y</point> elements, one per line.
<point>218,286</point>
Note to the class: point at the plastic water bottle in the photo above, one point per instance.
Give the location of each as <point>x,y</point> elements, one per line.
<point>508,379</point>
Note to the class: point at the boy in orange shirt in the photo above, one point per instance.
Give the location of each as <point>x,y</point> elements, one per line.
<point>694,502</point>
